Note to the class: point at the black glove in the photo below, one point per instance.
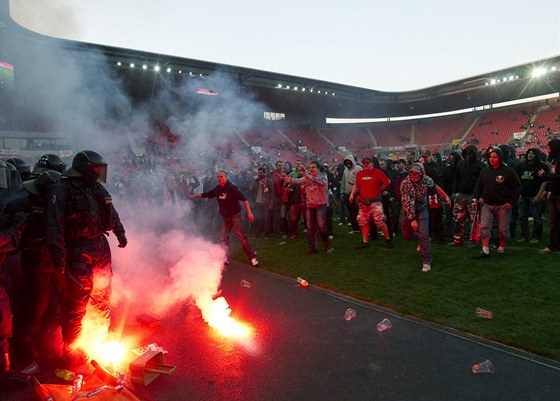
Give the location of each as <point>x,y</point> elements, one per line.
<point>122,240</point>
<point>20,224</point>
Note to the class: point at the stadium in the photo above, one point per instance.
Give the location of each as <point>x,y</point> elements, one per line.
<point>154,115</point>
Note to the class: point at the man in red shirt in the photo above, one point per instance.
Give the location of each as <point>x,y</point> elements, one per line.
<point>370,183</point>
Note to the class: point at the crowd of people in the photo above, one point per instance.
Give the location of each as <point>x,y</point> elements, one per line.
<point>57,218</point>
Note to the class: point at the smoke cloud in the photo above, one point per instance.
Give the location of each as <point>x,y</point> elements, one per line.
<point>80,95</point>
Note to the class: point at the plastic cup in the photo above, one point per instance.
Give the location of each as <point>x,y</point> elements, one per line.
<point>349,314</point>
<point>384,325</point>
<point>483,367</point>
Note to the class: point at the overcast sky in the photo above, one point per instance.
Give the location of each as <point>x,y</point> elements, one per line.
<point>390,46</point>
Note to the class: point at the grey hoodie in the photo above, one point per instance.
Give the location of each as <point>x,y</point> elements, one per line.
<point>349,176</point>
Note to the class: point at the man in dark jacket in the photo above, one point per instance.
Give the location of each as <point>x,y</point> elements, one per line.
<point>468,171</point>
<point>529,203</point>
<point>229,196</point>
<point>552,186</point>
<point>497,189</point>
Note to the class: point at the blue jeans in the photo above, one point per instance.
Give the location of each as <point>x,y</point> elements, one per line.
<point>317,221</point>
<point>535,209</point>
<point>422,235</point>
<point>489,214</point>
<point>236,222</point>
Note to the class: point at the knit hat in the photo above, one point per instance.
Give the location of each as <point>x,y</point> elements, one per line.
<point>418,167</point>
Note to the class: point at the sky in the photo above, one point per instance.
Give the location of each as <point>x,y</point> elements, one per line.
<point>387,46</point>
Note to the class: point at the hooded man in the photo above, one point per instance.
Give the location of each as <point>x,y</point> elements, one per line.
<point>416,216</point>
<point>498,188</point>
<point>552,186</point>
<point>466,176</point>
<point>529,203</point>
<point>348,181</point>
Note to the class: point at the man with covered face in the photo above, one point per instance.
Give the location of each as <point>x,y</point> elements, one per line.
<point>78,213</point>
<point>416,216</point>
<point>529,203</point>
<point>498,188</point>
<point>467,173</point>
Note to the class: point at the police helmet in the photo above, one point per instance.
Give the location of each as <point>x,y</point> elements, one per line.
<point>5,174</point>
<point>49,161</point>
<point>47,178</point>
<point>14,177</point>
<point>20,164</point>
<point>89,165</point>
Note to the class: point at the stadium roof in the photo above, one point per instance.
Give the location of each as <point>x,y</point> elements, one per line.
<point>308,97</point>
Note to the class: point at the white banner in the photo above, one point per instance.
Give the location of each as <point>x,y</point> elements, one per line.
<point>9,152</point>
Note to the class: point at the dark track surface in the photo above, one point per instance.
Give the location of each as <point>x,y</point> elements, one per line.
<point>302,348</point>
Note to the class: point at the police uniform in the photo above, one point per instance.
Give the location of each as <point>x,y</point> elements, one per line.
<point>79,212</point>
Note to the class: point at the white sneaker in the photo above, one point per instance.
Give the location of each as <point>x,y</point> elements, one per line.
<point>254,262</point>
<point>426,267</point>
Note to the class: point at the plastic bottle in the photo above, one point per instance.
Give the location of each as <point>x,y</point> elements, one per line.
<point>77,383</point>
<point>303,282</point>
<point>64,374</point>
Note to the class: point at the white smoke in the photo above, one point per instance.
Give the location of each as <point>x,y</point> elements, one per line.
<point>80,95</point>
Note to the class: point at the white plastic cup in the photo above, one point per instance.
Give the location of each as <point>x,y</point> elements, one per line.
<point>483,367</point>
<point>349,314</point>
<point>384,325</point>
<point>245,283</point>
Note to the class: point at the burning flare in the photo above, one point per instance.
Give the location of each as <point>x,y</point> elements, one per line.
<point>216,312</point>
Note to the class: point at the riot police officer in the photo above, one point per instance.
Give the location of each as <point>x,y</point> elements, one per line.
<point>39,274</point>
<point>79,212</point>
<point>48,161</point>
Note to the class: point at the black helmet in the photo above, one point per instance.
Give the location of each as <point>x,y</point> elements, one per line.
<point>5,175</point>
<point>14,176</point>
<point>49,162</point>
<point>38,185</point>
<point>89,165</point>
<point>20,164</point>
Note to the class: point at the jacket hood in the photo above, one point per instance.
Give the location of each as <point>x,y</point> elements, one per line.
<point>456,158</point>
<point>418,167</point>
<point>537,152</point>
<point>554,145</point>
<point>350,158</point>
<point>472,153</point>
<point>498,151</point>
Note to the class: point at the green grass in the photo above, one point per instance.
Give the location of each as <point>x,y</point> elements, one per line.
<point>522,289</point>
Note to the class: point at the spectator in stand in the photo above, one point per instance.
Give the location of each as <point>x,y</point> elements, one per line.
<point>348,181</point>
<point>468,171</point>
<point>529,203</point>
<point>498,187</point>
<point>552,188</point>
<point>371,182</point>
<point>316,186</point>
